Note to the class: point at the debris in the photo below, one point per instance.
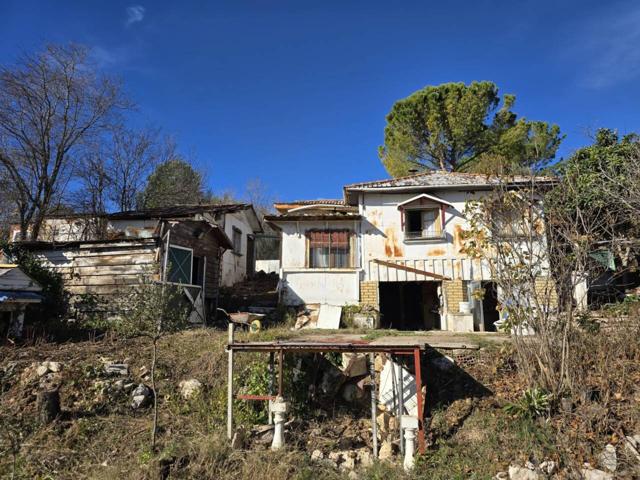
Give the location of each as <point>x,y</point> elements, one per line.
<point>121,369</point>
<point>594,474</point>
<point>608,458</point>
<point>522,473</point>
<point>364,456</point>
<point>54,367</point>
<point>352,393</point>
<point>502,476</point>
<point>329,316</point>
<point>317,455</point>
<point>354,364</point>
<point>410,427</point>
<point>548,467</point>
<point>388,394</point>
<point>190,388</point>
<point>386,451</point>
<point>141,396</point>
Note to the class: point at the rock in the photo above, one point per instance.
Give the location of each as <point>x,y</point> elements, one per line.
<point>331,382</point>
<point>522,473</point>
<point>353,475</point>
<point>386,451</point>
<point>118,385</point>
<point>354,364</point>
<point>42,369</point>
<point>593,474</point>
<point>48,405</point>
<point>348,461</point>
<point>502,476</point>
<point>608,458</point>
<point>190,388</point>
<point>317,455</point>
<point>632,446</point>
<point>335,458</point>
<point>239,439</point>
<point>121,369</point>
<point>548,467</point>
<point>141,396</point>
<point>54,367</point>
<point>364,457</point>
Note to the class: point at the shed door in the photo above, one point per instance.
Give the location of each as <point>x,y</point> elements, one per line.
<point>251,256</point>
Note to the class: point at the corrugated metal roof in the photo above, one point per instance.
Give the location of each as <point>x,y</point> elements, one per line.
<point>448,179</point>
<point>178,211</point>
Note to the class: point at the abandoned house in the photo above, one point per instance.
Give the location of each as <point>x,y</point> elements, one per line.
<point>199,247</point>
<point>17,292</point>
<point>396,245</point>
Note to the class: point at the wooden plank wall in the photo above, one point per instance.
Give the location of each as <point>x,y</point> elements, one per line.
<point>105,269</point>
<point>184,234</point>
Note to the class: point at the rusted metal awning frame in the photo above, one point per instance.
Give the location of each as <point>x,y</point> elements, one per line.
<point>410,269</point>
<point>282,347</point>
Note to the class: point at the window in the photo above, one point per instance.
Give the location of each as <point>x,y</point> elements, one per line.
<point>180,265</point>
<point>329,249</point>
<point>422,224</point>
<point>237,241</point>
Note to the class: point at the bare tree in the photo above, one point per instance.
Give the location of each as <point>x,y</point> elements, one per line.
<point>132,157</point>
<point>258,195</point>
<point>91,198</point>
<point>51,104</point>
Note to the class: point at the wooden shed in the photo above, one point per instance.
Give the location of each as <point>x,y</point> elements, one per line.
<point>17,291</point>
<point>182,251</point>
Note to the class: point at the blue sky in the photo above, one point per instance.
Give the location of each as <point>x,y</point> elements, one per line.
<point>295,93</point>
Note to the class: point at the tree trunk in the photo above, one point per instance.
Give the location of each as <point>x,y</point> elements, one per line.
<point>155,396</point>
<point>48,405</point>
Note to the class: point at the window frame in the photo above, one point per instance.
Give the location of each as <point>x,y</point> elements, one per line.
<point>179,247</point>
<point>439,232</point>
<point>236,231</point>
<point>350,242</point>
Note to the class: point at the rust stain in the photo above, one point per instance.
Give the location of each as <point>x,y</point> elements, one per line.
<point>391,246</point>
<point>436,252</point>
<point>375,216</point>
<point>458,240</point>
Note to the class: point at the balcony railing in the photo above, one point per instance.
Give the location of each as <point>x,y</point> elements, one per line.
<point>423,235</point>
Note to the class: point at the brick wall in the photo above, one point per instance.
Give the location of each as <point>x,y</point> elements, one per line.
<point>546,289</point>
<point>369,294</point>
<point>454,294</point>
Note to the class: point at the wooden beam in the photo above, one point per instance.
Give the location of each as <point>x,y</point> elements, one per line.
<point>410,269</point>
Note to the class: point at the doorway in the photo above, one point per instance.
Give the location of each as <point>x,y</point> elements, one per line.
<point>410,305</point>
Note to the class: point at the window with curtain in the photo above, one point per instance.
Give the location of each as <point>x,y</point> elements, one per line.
<point>329,249</point>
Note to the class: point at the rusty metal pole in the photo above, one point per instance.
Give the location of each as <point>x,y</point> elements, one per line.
<point>230,384</point>
<point>418,368</point>
<point>374,425</point>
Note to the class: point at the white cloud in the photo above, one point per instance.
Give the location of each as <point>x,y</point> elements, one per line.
<point>135,14</point>
<point>610,48</point>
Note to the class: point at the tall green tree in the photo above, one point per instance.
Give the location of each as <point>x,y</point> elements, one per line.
<point>458,127</point>
<point>174,182</point>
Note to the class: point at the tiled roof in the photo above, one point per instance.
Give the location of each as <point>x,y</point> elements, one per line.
<point>447,179</point>
<point>320,201</point>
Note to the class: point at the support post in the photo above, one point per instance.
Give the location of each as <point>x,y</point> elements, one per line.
<point>272,381</point>
<point>418,368</point>
<point>230,384</point>
<point>374,425</point>
<point>280,372</point>
<point>401,407</point>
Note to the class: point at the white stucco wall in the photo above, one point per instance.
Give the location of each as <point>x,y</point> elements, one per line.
<point>316,285</point>
<point>234,264</point>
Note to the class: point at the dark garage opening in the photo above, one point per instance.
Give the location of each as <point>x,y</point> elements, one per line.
<point>490,312</point>
<point>409,305</point>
